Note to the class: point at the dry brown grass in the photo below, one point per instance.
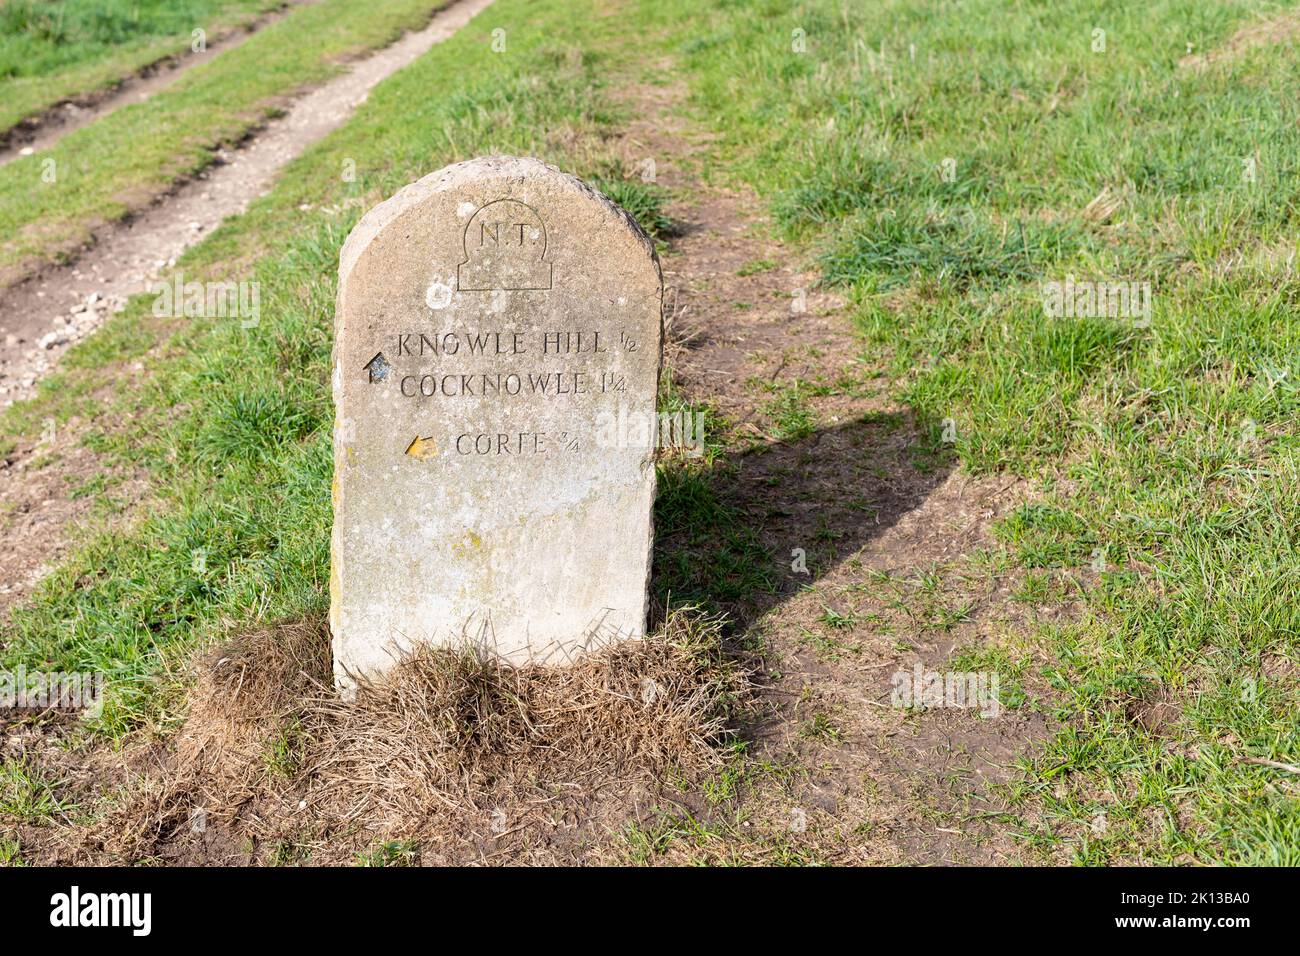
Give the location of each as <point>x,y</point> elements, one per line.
<point>464,758</point>
<point>1263,31</point>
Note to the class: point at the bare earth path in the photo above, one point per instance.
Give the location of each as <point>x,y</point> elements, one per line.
<point>883,524</point>
<point>47,128</point>
<point>46,314</point>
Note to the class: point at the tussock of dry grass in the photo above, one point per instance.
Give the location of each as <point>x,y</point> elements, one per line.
<point>449,727</point>
<point>445,751</point>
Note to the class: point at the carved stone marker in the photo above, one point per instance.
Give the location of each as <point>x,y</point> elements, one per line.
<point>496,361</point>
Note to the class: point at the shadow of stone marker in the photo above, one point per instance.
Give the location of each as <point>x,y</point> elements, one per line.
<point>498,340</point>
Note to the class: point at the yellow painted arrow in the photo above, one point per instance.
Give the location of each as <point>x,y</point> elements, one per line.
<point>422,448</point>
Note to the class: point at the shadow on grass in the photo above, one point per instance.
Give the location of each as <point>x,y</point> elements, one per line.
<point>745,534</point>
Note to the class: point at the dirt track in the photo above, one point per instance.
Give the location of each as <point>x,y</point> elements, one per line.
<point>41,316</point>
<point>46,128</point>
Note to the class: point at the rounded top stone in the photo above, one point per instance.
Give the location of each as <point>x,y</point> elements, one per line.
<point>527,180</point>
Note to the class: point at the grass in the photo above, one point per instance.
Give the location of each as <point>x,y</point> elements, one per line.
<point>105,169</point>
<point>1166,452</point>
<point>792,417</point>
<point>51,52</point>
<point>706,553</point>
<point>1132,433</point>
<point>821,727</point>
<point>644,201</point>
<point>391,853</point>
<point>447,745</point>
<point>26,795</point>
<point>283,756</point>
<point>241,464</point>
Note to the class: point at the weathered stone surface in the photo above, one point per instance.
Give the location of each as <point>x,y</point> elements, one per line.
<point>496,360</point>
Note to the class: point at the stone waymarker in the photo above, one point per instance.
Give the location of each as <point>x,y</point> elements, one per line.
<point>496,360</point>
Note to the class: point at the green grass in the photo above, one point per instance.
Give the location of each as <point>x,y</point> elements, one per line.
<point>52,51</point>
<point>755,267</point>
<point>1170,450</point>
<point>11,853</point>
<point>26,795</point>
<point>284,754</point>
<point>241,463</point>
<point>391,853</point>
<point>706,843</point>
<point>104,169</point>
<point>821,727</point>
<point>643,200</point>
<point>792,417</point>
<point>1132,435</point>
<point>707,552</point>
